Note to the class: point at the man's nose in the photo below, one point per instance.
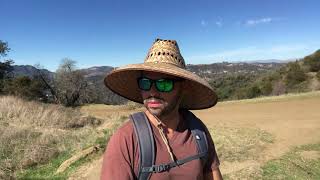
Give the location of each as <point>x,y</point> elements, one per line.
<point>153,90</point>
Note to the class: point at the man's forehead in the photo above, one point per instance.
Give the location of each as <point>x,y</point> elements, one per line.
<point>156,75</point>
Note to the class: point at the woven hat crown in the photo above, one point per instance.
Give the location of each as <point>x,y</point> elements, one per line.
<point>165,51</point>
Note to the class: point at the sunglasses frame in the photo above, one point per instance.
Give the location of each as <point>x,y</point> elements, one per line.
<point>153,81</point>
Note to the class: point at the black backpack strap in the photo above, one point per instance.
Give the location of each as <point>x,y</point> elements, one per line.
<point>165,167</point>
<point>144,134</point>
<point>198,131</point>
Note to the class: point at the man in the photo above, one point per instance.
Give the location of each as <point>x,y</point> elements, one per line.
<point>167,91</point>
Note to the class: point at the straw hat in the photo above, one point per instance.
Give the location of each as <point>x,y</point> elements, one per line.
<point>163,57</point>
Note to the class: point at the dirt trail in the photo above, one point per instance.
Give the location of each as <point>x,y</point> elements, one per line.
<point>293,121</point>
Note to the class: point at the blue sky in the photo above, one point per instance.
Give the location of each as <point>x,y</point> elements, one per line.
<point>115,33</point>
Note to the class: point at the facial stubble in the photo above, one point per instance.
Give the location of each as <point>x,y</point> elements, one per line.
<point>168,107</point>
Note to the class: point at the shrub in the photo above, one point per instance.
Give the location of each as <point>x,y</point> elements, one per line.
<point>253,91</point>
<point>266,87</point>
<point>295,75</point>
<point>25,87</point>
<point>318,75</point>
<point>32,133</point>
<point>232,86</point>
<point>313,61</point>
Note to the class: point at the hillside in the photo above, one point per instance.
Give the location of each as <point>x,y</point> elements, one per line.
<point>227,68</point>
<point>30,71</point>
<point>211,72</point>
<point>241,80</point>
<point>301,75</point>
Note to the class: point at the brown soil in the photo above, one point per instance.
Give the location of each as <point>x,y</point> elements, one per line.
<point>293,122</point>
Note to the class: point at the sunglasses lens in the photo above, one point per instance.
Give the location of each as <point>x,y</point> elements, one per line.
<point>164,85</point>
<point>144,84</point>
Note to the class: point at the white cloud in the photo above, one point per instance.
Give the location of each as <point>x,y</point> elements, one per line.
<point>204,23</point>
<point>252,22</point>
<point>255,22</point>
<point>219,23</point>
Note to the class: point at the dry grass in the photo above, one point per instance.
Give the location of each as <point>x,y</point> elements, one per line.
<point>32,133</point>
<point>294,165</point>
<point>18,112</point>
<point>239,150</point>
<point>239,144</point>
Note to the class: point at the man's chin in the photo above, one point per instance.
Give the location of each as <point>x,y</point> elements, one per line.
<point>155,111</point>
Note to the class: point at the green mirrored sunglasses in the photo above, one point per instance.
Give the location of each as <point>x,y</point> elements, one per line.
<point>162,85</point>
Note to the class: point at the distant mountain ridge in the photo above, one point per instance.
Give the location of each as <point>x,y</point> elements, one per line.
<point>97,71</point>
<point>200,69</point>
<point>268,61</point>
<point>28,70</point>
<point>230,68</point>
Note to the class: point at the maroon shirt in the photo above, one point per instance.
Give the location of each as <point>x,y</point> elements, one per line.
<point>121,159</point>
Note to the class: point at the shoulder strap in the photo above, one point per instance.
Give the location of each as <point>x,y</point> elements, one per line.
<point>144,134</point>
<point>147,147</point>
<point>198,132</point>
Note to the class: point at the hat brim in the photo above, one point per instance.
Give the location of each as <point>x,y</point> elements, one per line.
<point>198,95</point>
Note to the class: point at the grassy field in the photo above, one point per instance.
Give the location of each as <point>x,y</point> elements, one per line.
<point>263,138</point>
<point>36,138</point>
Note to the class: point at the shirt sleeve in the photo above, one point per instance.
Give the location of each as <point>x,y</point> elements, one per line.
<point>117,163</point>
<point>213,160</point>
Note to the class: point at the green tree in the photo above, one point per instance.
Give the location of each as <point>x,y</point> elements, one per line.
<point>5,65</point>
<point>232,86</point>
<point>313,61</point>
<point>5,68</point>
<point>253,91</point>
<point>266,87</point>
<point>25,87</point>
<point>4,49</point>
<point>295,75</point>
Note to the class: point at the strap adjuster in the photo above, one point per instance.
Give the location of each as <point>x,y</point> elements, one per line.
<point>161,168</point>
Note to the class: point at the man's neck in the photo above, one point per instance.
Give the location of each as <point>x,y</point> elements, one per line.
<point>169,121</point>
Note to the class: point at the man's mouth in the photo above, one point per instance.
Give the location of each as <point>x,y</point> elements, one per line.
<point>154,103</point>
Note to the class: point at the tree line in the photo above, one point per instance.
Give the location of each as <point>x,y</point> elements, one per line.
<point>68,85</point>
<point>294,77</point>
